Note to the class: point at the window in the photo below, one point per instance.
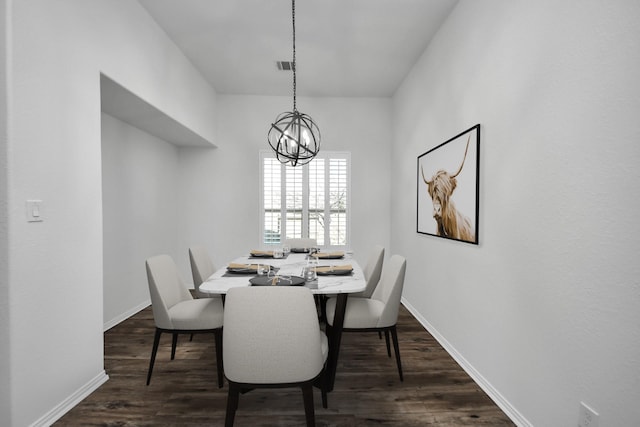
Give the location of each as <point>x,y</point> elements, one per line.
<point>306,201</point>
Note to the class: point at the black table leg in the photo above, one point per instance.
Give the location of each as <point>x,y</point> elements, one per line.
<point>334,337</point>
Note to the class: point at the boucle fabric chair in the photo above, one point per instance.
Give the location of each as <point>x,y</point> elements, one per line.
<point>201,268</point>
<point>380,312</point>
<point>372,271</point>
<point>272,339</point>
<point>175,311</point>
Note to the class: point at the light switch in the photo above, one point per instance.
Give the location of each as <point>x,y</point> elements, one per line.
<point>34,211</point>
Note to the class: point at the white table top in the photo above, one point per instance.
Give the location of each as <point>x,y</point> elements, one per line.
<point>220,282</point>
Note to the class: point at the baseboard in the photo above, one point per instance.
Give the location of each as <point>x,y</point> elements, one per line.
<point>124,316</point>
<point>485,385</point>
<point>66,405</point>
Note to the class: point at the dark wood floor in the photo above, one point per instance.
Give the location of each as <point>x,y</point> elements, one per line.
<point>183,392</point>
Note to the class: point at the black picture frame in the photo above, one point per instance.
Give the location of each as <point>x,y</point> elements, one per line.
<point>450,175</point>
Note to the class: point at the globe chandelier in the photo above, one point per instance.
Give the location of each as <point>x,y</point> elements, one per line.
<point>294,136</point>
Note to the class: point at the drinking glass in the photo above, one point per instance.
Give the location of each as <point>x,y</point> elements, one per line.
<point>277,253</point>
<point>263,269</point>
<point>310,270</point>
<point>309,274</point>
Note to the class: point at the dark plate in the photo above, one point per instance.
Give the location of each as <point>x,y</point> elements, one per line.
<point>242,270</point>
<point>330,257</point>
<point>246,270</point>
<point>300,250</point>
<point>266,281</point>
<point>334,273</point>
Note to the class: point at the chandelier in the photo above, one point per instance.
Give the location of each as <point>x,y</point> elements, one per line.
<point>294,136</point>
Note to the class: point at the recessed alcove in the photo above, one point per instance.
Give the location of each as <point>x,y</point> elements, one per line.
<point>141,193</point>
<point>124,105</point>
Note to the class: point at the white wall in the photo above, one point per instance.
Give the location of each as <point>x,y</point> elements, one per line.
<point>57,51</point>
<point>140,210</point>
<point>220,196</point>
<point>5,335</point>
<point>544,311</point>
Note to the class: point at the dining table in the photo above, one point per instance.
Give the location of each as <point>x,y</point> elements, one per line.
<point>339,275</point>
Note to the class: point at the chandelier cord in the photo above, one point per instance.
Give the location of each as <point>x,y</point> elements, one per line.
<point>293,20</point>
<point>294,136</point>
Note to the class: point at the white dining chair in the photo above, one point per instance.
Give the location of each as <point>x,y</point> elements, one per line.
<point>372,271</point>
<point>301,243</point>
<point>378,313</point>
<point>175,311</point>
<point>201,268</point>
<point>272,339</point>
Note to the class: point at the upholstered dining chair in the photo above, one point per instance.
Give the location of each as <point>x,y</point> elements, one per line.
<point>272,339</point>
<point>372,271</point>
<point>175,311</point>
<point>301,243</point>
<point>201,268</point>
<point>380,312</point>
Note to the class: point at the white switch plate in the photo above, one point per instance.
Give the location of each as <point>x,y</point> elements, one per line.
<point>34,211</point>
<point>588,417</point>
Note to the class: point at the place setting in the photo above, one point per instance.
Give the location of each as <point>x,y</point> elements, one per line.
<point>240,268</point>
<point>334,270</point>
<point>277,280</point>
<point>302,250</point>
<point>277,253</point>
<point>328,255</point>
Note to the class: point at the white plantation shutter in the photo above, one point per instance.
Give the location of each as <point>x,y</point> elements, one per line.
<point>306,201</point>
<point>271,200</point>
<point>316,200</point>
<point>294,202</point>
<point>338,198</point>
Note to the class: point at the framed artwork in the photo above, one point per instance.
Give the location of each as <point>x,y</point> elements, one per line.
<point>448,188</point>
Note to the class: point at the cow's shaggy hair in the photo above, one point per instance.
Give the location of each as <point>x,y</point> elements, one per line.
<point>451,223</point>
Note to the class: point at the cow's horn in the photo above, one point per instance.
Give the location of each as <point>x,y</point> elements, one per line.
<point>423,178</point>
<point>463,159</point>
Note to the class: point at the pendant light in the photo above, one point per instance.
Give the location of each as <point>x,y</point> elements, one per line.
<point>294,136</point>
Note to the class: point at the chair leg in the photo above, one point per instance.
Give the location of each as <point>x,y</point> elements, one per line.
<point>307,394</point>
<point>386,338</point>
<point>156,341</point>
<point>323,392</point>
<point>218,337</point>
<point>394,334</point>
<point>174,343</point>
<point>232,404</point>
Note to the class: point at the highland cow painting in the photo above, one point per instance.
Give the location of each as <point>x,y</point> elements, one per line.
<point>448,188</point>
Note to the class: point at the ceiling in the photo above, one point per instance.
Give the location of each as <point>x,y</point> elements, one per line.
<point>344,48</point>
